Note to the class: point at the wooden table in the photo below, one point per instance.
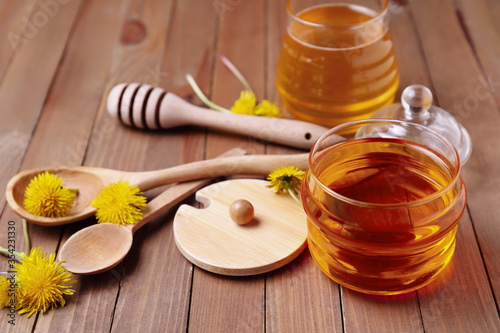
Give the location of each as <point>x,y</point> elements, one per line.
<point>57,64</point>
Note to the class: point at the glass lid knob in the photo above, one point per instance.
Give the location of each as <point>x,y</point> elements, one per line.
<point>416,98</point>
<point>416,107</point>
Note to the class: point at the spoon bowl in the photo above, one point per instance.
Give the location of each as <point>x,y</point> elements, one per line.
<point>87,183</point>
<point>90,181</point>
<point>91,251</point>
<point>101,247</point>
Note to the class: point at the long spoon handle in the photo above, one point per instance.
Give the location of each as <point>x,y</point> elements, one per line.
<point>175,194</point>
<point>234,165</point>
<point>168,199</point>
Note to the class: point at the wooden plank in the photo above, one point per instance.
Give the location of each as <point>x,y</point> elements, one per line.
<point>229,304</point>
<point>460,299</point>
<point>480,21</point>
<point>233,304</point>
<point>13,20</point>
<point>412,63</point>
<point>90,309</point>
<point>299,297</point>
<point>26,75</point>
<point>155,267</point>
<point>190,51</point>
<point>62,117</point>
<point>276,29</point>
<point>240,39</point>
<point>19,114</point>
<point>451,60</point>
<point>156,283</point>
<point>276,22</point>
<point>368,313</point>
<point>137,53</point>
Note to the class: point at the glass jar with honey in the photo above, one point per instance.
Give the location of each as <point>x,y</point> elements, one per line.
<point>337,60</point>
<point>383,200</point>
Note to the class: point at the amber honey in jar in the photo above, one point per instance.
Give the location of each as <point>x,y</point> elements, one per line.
<point>337,61</point>
<point>383,206</point>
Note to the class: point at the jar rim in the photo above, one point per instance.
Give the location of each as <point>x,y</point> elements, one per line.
<point>412,203</point>
<point>295,16</point>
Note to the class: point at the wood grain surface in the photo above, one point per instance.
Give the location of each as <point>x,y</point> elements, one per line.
<point>60,58</point>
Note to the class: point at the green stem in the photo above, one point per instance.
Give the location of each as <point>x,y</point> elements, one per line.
<point>4,250</point>
<point>294,196</point>
<point>202,96</point>
<point>26,236</point>
<point>236,72</point>
<point>73,190</point>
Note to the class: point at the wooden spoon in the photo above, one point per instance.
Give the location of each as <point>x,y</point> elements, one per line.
<point>143,106</point>
<point>90,181</point>
<point>100,247</point>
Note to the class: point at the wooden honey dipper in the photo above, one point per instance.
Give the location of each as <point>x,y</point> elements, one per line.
<point>147,107</point>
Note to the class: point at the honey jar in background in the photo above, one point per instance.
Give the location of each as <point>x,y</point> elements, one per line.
<point>337,61</point>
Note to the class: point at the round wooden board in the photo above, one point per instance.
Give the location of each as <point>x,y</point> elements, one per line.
<point>211,240</point>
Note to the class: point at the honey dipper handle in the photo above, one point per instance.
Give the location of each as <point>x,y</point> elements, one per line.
<point>143,106</point>
<point>177,112</point>
<point>224,166</point>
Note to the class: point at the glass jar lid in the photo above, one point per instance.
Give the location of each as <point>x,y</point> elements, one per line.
<point>416,106</point>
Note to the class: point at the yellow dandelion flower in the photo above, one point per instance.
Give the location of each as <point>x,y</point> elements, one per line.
<point>267,109</point>
<point>42,282</point>
<point>286,179</point>
<point>4,292</point>
<point>245,104</point>
<point>119,203</point>
<point>44,196</point>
